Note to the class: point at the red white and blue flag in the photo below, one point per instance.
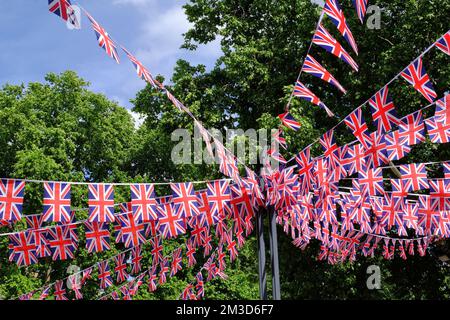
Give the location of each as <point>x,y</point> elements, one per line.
<point>442,112</point>
<point>355,121</point>
<point>305,169</point>
<point>101,202</point>
<point>157,249</point>
<point>97,236</point>
<point>60,291</point>
<point>376,151</point>
<point>361,7</point>
<point>104,274</point>
<point>57,202</point>
<point>61,243</point>
<point>414,177</point>
<point>438,132</point>
<point>176,262</point>
<point>133,232</point>
<point>104,40</point>
<point>416,75</point>
<point>444,43</point>
<point>324,39</point>
<point>301,91</point>
<point>120,268</point>
<point>371,181</point>
<point>11,199</point>
<point>219,198</point>
<point>136,258</point>
<point>412,128</point>
<point>334,11</point>
<point>184,199</point>
<point>383,111</point>
<point>64,10</point>
<point>354,159</point>
<point>314,68</point>
<point>22,248</point>
<point>143,202</point>
<point>141,70</point>
<point>170,223</point>
<point>288,120</point>
<point>396,147</point>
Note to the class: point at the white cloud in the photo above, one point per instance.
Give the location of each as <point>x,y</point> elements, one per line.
<point>137,118</point>
<point>137,3</point>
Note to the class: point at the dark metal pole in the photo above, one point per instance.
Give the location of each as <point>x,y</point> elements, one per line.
<point>276,294</point>
<point>261,256</point>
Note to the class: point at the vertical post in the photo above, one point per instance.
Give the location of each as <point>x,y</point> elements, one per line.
<point>261,256</point>
<point>276,293</point>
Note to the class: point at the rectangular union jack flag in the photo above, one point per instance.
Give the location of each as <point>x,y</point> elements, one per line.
<point>442,112</point>
<point>64,10</point>
<point>133,233</point>
<point>136,258</point>
<point>142,71</point>
<point>97,236</point>
<point>376,152</point>
<point>289,121</point>
<point>355,121</point>
<point>416,75</point>
<point>101,202</point>
<point>61,242</point>
<point>412,128</point>
<point>383,111</point>
<point>305,168</point>
<point>354,159</point>
<point>176,261</point>
<point>371,181</point>
<point>314,68</point>
<point>414,177</point>
<point>104,274</point>
<point>302,92</point>
<point>11,199</point>
<point>396,147</point>
<point>361,7</point>
<point>444,43</point>
<point>120,268</point>
<point>60,291</point>
<point>206,218</point>
<point>57,202</point>
<point>143,202</point>
<point>335,13</point>
<point>219,198</point>
<point>184,199</point>
<point>440,194</point>
<point>438,131</point>
<point>104,40</point>
<point>170,223</point>
<point>22,248</point>
<point>324,39</point>
<point>278,138</point>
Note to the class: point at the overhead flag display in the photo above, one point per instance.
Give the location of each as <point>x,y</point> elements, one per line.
<point>11,199</point>
<point>143,202</point>
<point>64,10</point>
<point>142,71</point>
<point>104,40</point>
<point>57,202</point>
<point>313,67</point>
<point>355,121</point>
<point>383,111</point>
<point>101,202</point>
<point>416,75</point>
<point>302,92</point>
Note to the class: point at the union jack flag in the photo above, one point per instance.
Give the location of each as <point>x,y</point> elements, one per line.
<point>219,197</point>
<point>410,216</point>
<point>396,147</point>
<point>152,278</point>
<point>64,10</point>
<point>361,7</point>
<point>313,67</point>
<point>45,293</point>
<point>101,202</point>
<point>143,202</point>
<point>416,75</point>
<point>440,194</point>
<point>276,155</point>
<point>206,218</point>
<point>184,199</point>
<point>35,222</point>
<point>57,202</point>
<point>428,215</point>
<point>133,233</point>
<point>438,131</point>
<point>76,286</point>
<point>136,258</point>
<point>288,120</point>
<point>104,40</point>
<point>199,284</point>
<point>412,128</point>
<point>444,43</point>
<point>446,167</point>
<point>120,268</point>
<point>97,236</point>
<point>325,40</point>
<point>142,71</point>
<point>104,274</point>
<point>331,150</point>
<point>414,177</point>
<point>278,138</point>
<point>354,159</point>
<point>176,261</point>
<point>372,181</point>
<point>442,112</point>
<point>301,91</point>
<point>376,152</point>
<point>61,242</point>
<point>305,169</point>
<point>11,199</point>
<point>60,292</point>
<point>163,269</point>
<point>157,249</point>
<point>383,110</point>
<point>392,214</point>
<point>22,248</point>
<point>190,253</point>
<point>334,11</point>
<point>170,223</point>
<point>355,121</point>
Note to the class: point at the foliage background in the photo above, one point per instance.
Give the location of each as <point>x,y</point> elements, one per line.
<point>60,130</point>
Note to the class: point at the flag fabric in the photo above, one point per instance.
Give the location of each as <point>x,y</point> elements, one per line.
<point>22,248</point>
<point>219,198</point>
<point>190,254</point>
<point>442,113</point>
<point>35,223</point>
<point>163,270</point>
<point>414,177</point>
<point>11,199</point>
<point>396,147</point>
<point>438,131</point>
<point>383,111</point>
<point>289,121</point>
<point>278,138</point>
<point>45,293</point>
<point>355,121</point>
<point>199,285</point>
<point>61,243</point>
<point>354,159</point>
<point>184,199</point>
<point>206,217</point>
<point>416,75</point>
<point>57,202</point>
<point>276,155</point>
<point>157,249</point>
<point>97,236</point>
<point>101,202</point>
<point>104,274</point>
<point>136,258</point>
<point>170,224</point>
<point>64,10</point>
<point>104,40</point>
<point>376,151</point>
<point>412,128</point>
<point>314,68</point>
<point>335,13</point>
<point>324,39</point>
<point>305,168</point>
<point>60,292</point>
<point>444,43</point>
<point>133,233</point>
<point>440,194</point>
<point>120,268</point>
<point>361,7</point>
<point>371,181</point>
<point>302,92</point>
<point>176,261</point>
<point>142,71</point>
<point>143,202</point>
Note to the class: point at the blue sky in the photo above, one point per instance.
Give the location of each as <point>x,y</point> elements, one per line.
<point>35,42</point>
